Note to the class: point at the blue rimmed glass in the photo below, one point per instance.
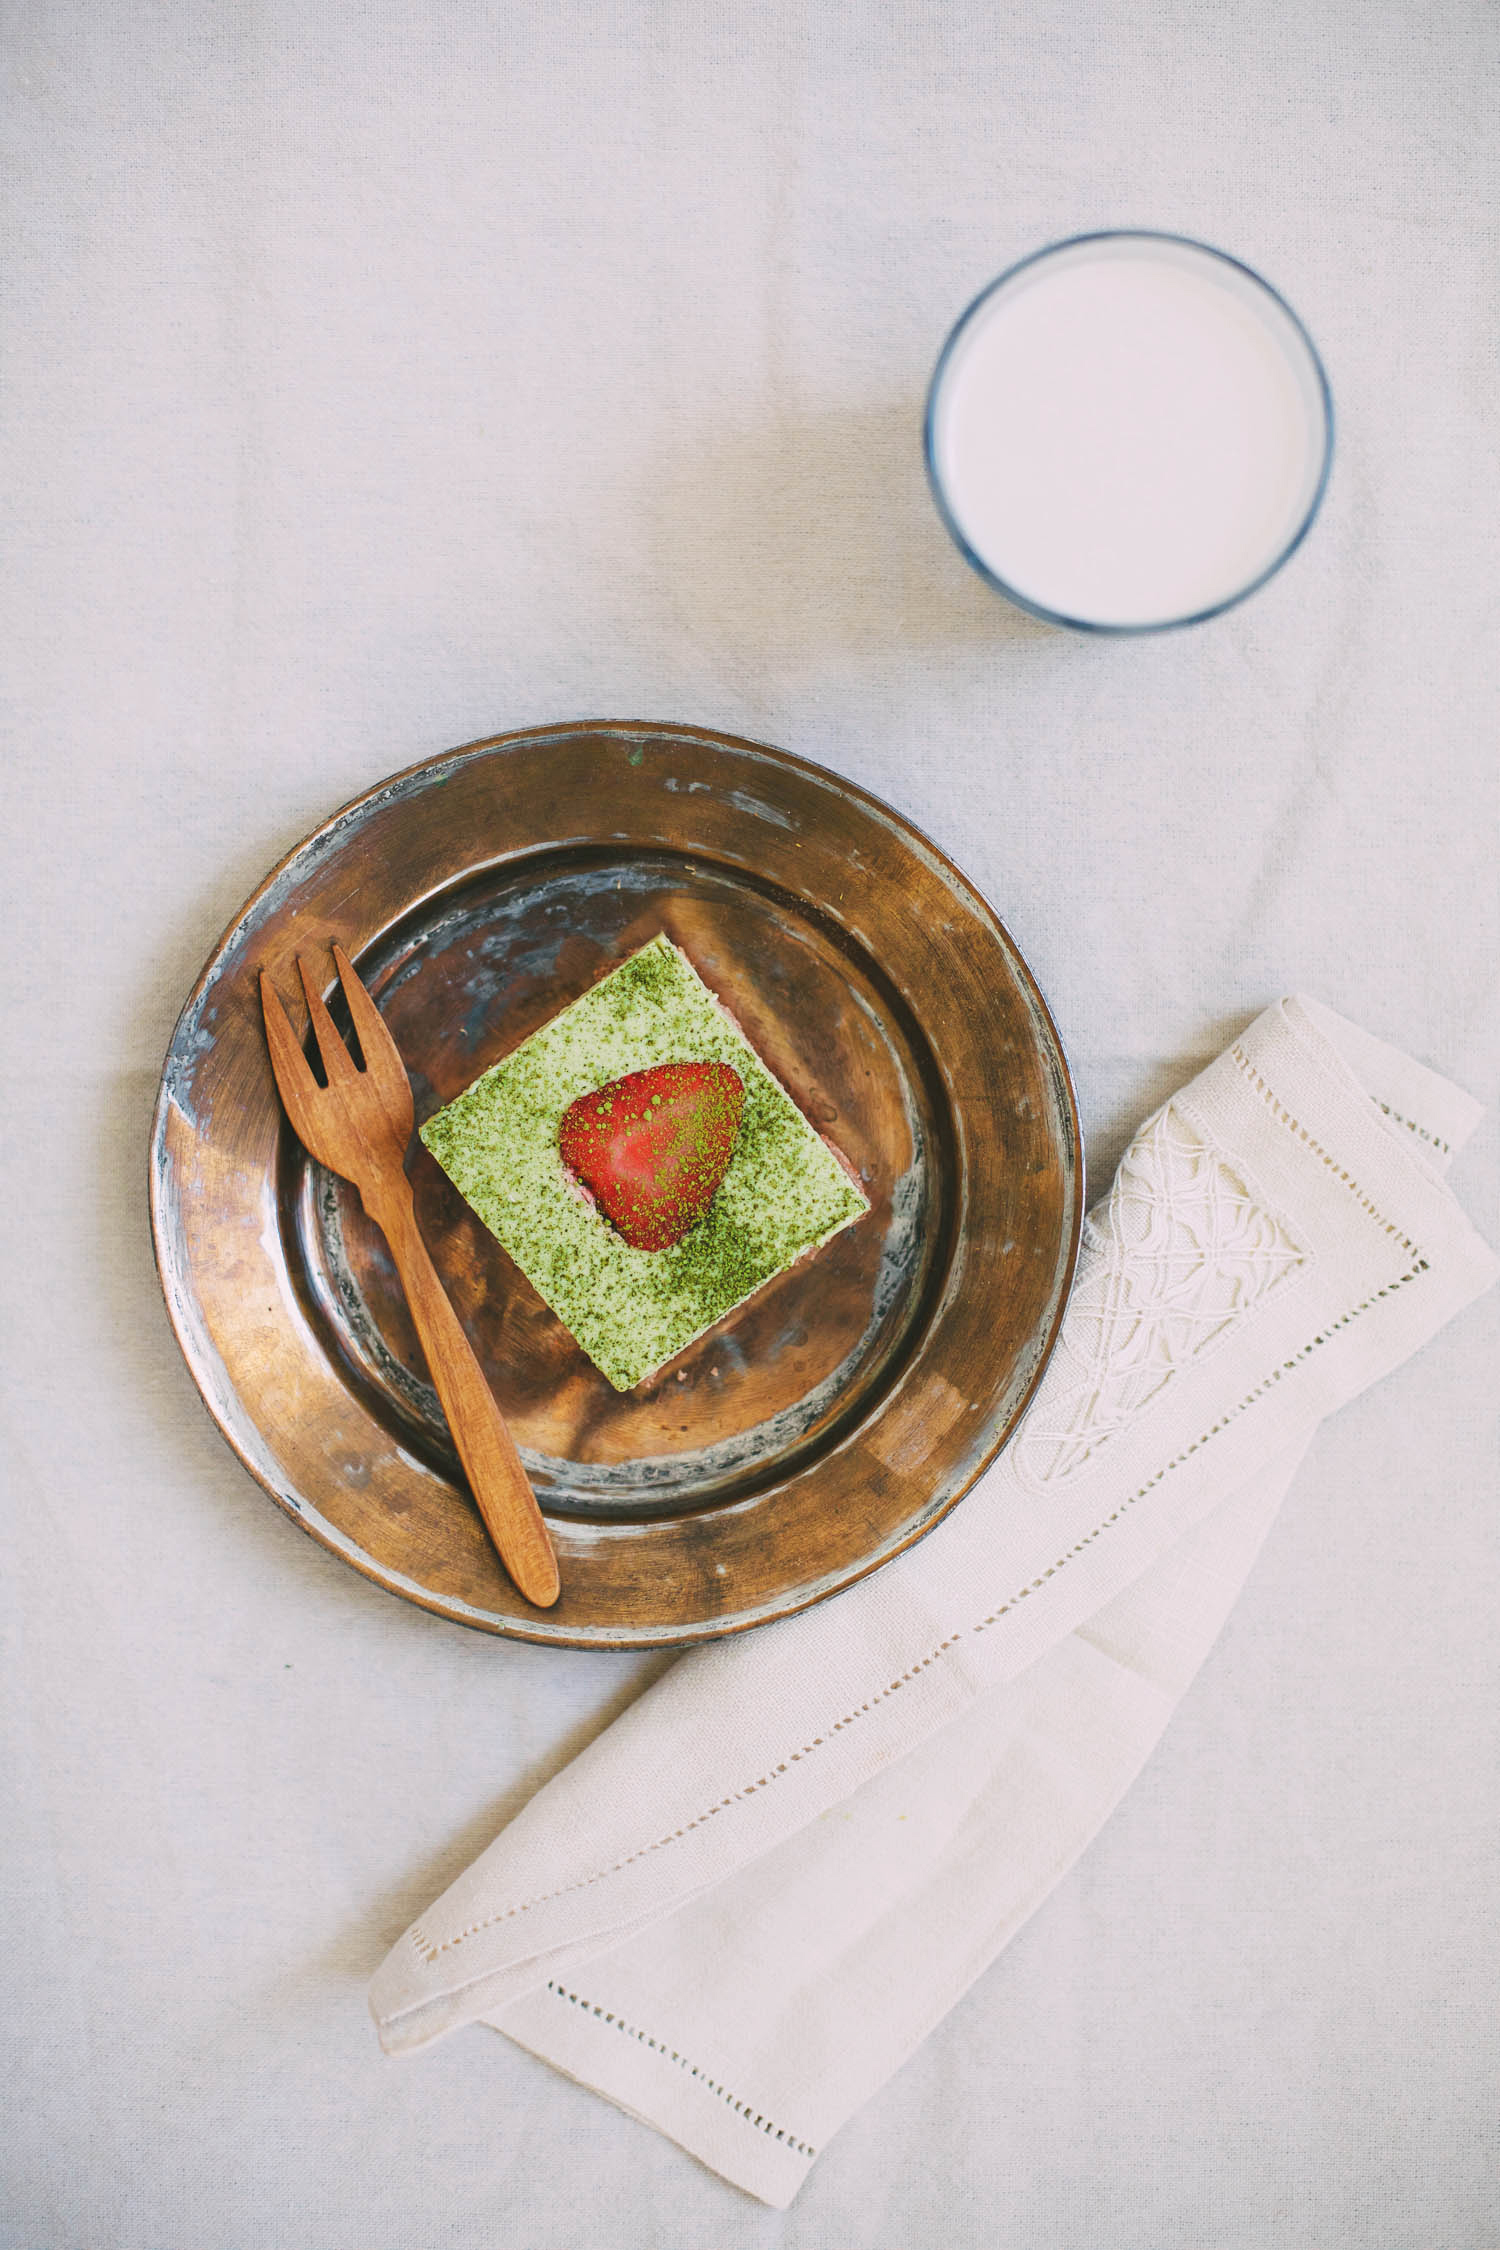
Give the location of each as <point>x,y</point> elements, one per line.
<point>1249,287</point>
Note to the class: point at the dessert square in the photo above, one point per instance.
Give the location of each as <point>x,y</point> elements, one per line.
<point>785,1192</point>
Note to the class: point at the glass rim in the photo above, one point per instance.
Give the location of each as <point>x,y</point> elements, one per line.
<point>1094,625</point>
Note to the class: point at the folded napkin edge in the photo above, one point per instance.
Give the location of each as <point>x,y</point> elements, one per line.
<point>1446,1113</point>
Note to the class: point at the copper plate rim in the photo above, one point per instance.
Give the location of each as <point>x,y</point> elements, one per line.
<point>532,1626</point>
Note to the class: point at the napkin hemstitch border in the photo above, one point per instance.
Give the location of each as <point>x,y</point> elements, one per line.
<point>753,2118</point>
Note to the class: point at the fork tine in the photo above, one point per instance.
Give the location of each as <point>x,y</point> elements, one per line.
<point>337,1060</point>
<point>375,1042</point>
<point>295,1083</point>
<point>384,1069</point>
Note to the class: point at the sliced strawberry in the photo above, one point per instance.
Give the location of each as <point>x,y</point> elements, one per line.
<point>651,1148</point>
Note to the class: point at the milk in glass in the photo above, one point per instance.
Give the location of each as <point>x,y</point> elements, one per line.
<point>1129,431</point>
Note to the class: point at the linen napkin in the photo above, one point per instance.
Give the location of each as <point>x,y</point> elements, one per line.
<point>747,1902</point>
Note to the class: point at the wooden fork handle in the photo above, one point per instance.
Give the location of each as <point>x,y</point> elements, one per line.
<point>485,1446</point>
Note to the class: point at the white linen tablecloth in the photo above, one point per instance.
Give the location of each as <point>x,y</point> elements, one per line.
<point>377,378</point>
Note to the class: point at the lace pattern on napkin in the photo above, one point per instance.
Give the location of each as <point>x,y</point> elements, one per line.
<point>1177,1258</point>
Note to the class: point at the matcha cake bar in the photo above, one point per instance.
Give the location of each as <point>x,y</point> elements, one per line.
<point>782,1194</point>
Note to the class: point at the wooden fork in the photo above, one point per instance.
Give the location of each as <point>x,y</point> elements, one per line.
<point>359,1126</point>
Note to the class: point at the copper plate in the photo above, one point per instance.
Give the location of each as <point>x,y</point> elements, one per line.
<point>802,1442</point>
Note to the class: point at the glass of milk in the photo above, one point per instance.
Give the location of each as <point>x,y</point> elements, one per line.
<point>1128,431</point>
